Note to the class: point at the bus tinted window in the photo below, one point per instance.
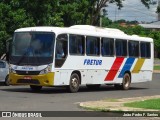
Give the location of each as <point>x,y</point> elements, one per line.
<point>76,44</point>
<point>133,48</point>
<point>145,50</point>
<point>92,46</point>
<point>107,47</point>
<point>61,50</point>
<point>121,47</point>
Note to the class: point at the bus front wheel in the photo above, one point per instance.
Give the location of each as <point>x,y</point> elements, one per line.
<point>35,88</point>
<point>74,83</point>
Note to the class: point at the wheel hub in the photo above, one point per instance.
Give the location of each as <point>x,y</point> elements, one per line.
<point>74,83</point>
<point>126,82</point>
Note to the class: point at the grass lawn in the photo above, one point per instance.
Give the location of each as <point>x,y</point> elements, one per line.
<point>156,67</point>
<point>147,104</point>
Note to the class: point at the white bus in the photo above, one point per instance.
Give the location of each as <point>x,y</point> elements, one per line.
<point>79,55</point>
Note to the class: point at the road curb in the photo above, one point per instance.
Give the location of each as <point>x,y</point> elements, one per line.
<point>156,71</point>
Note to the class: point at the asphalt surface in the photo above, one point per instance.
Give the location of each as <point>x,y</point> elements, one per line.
<point>21,98</point>
<point>157,61</point>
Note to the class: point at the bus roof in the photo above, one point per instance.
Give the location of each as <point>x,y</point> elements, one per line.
<point>87,30</point>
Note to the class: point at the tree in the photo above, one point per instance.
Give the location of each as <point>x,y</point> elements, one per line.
<point>11,19</point>
<point>146,2</point>
<point>95,9</point>
<point>106,21</point>
<point>43,12</point>
<point>74,11</point>
<point>156,36</point>
<point>83,11</point>
<point>96,6</point>
<point>17,13</point>
<point>138,30</point>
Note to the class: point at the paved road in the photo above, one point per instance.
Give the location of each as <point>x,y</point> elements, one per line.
<point>57,99</point>
<point>21,98</point>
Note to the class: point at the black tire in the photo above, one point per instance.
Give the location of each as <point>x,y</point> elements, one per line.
<point>74,83</point>
<point>125,83</point>
<point>7,83</point>
<point>92,87</point>
<point>35,88</point>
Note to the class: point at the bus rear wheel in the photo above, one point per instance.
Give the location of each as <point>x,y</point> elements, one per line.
<point>125,83</point>
<point>74,83</point>
<point>35,88</point>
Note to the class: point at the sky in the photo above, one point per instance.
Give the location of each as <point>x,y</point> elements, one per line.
<point>133,10</point>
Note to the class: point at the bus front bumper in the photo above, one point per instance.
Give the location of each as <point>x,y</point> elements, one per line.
<point>39,80</point>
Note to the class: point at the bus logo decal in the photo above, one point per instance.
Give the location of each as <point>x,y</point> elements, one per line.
<point>114,69</point>
<point>92,62</point>
<point>138,65</point>
<point>127,66</point>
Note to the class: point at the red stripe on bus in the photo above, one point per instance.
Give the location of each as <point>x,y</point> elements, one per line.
<point>114,69</point>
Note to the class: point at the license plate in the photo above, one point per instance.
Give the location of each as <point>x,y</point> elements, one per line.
<point>27,78</point>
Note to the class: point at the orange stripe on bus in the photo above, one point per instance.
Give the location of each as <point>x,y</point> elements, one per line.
<point>138,65</point>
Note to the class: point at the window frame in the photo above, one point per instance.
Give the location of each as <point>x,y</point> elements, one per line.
<point>99,45</point>
<point>126,48</point>
<point>110,39</point>
<point>84,50</point>
<point>149,49</point>
<point>62,60</point>
<point>129,48</point>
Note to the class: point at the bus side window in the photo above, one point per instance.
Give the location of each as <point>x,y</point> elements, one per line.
<point>80,40</point>
<point>133,47</point>
<point>107,46</point>
<point>92,46</point>
<point>61,50</point>
<point>76,44</point>
<point>121,47</point>
<point>145,49</point>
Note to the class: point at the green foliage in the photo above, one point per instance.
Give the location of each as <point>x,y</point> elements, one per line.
<point>137,30</point>
<point>74,12</point>
<point>16,14</point>
<point>3,37</point>
<point>156,36</point>
<point>25,13</point>
<point>106,21</point>
<point>146,2</point>
<point>11,19</point>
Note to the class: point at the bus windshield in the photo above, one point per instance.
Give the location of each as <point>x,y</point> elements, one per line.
<point>32,48</point>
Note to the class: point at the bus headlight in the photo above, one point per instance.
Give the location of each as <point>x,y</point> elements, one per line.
<point>46,70</point>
